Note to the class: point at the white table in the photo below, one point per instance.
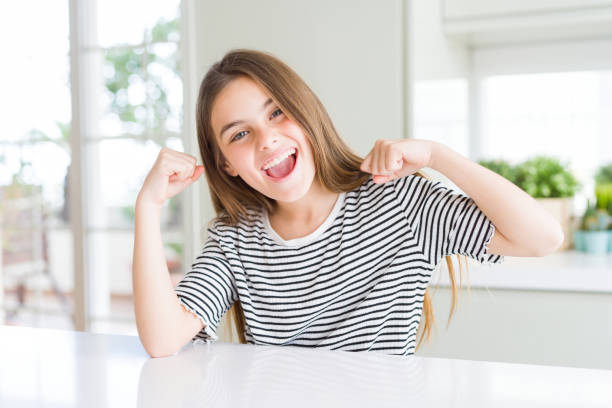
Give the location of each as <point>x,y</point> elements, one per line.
<point>53,368</point>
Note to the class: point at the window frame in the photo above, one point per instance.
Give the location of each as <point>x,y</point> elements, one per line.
<point>82,19</point>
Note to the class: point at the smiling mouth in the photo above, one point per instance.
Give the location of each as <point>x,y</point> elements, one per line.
<point>283,169</point>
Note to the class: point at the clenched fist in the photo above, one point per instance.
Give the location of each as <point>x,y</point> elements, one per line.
<point>391,159</point>
<point>171,173</point>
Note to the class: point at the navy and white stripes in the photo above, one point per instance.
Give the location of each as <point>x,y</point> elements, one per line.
<point>356,283</point>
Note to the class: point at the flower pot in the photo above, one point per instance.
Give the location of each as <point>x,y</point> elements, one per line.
<point>610,241</point>
<point>561,209</point>
<point>579,240</point>
<point>595,242</point>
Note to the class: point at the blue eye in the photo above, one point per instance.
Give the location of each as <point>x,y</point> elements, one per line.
<point>279,112</point>
<point>238,134</point>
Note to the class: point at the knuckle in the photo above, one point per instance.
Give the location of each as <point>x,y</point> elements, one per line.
<point>164,154</point>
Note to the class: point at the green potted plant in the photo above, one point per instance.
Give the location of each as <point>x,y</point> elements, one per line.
<point>553,185</point>
<point>604,174</point>
<point>501,167</point>
<point>592,236</point>
<point>603,194</point>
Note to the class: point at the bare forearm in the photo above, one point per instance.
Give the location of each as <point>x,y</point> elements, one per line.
<point>155,303</point>
<point>516,215</point>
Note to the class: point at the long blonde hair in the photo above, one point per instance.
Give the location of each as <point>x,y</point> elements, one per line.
<point>336,166</point>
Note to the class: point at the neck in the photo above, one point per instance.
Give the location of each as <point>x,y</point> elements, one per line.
<point>313,207</point>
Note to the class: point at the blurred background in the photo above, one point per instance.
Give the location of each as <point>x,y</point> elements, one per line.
<point>93,90</point>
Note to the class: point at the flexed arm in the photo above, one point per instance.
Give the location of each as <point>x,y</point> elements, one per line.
<point>163,325</point>
<point>523,227</point>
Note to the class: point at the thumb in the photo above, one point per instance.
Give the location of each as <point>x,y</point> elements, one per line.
<point>196,175</point>
<point>199,170</point>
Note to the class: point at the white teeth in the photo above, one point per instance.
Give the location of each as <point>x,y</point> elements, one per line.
<point>279,159</point>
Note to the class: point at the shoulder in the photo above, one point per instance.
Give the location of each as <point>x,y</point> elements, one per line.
<point>400,186</point>
<point>220,228</point>
<point>414,182</point>
<point>370,196</point>
<point>369,189</point>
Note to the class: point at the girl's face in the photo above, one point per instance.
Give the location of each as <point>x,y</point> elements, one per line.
<point>252,131</point>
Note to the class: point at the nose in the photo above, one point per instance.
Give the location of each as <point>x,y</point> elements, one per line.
<point>267,138</point>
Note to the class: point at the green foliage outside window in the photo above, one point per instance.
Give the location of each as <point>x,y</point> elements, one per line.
<point>129,65</point>
<point>604,174</point>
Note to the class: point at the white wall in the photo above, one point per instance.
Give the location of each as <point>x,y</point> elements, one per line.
<point>349,52</point>
<point>434,56</point>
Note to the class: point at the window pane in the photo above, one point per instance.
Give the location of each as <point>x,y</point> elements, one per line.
<point>36,280</point>
<point>32,97</point>
<point>122,93</point>
<point>111,301</point>
<point>138,91</point>
<point>441,112</point>
<point>43,164</point>
<point>164,88</point>
<point>567,115</point>
<point>116,172</point>
<point>132,22</point>
<point>36,271</point>
<point>135,105</point>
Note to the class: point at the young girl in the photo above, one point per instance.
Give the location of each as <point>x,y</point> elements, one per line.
<point>312,245</point>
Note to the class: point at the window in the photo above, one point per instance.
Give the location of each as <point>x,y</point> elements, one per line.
<point>134,102</point>
<point>36,271</point>
<point>131,106</point>
<point>526,99</point>
<point>565,114</point>
<point>441,112</point>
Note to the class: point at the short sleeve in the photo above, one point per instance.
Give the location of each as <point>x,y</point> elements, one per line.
<point>445,221</point>
<point>208,290</point>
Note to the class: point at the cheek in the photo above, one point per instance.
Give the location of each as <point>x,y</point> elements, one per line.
<point>242,159</point>
<point>293,129</point>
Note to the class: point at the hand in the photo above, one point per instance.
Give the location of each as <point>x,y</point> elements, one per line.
<point>171,173</point>
<point>391,159</point>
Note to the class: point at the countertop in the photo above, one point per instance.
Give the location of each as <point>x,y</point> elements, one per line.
<point>54,368</point>
<point>567,271</point>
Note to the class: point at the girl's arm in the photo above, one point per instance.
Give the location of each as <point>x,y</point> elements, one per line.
<point>523,227</point>
<point>164,326</point>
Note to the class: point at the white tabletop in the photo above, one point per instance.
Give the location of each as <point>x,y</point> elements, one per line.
<point>53,368</point>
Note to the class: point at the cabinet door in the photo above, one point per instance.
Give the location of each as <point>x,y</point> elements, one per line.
<point>458,9</point>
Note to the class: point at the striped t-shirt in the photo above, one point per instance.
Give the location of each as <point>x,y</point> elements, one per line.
<point>356,283</point>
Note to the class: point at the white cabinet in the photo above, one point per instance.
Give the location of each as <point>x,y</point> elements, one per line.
<point>488,22</point>
<point>465,9</point>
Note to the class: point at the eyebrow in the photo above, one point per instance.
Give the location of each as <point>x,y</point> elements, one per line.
<point>237,122</point>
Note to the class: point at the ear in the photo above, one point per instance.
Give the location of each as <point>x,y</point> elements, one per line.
<point>229,169</point>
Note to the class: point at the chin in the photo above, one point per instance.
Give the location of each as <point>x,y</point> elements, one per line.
<point>289,197</point>
<point>292,194</point>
